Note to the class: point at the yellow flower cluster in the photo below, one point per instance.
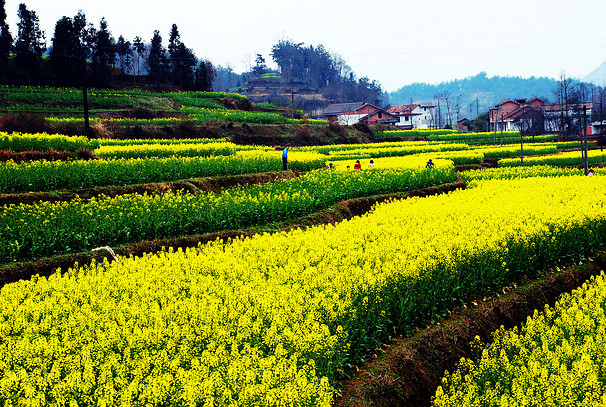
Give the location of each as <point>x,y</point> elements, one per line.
<point>512,150</point>
<point>483,136</point>
<point>567,158</point>
<point>43,142</point>
<point>400,149</point>
<point>334,148</point>
<point>410,161</point>
<point>417,132</point>
<point>48,228</point>
<point>272,320</point>
<point>556,359</point>
<point>523,172</point>
<point>161,150</point>
<point>104,142</point>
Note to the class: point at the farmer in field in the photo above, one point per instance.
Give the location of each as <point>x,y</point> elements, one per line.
<point>429,164</point>
<point>371,164</point>
<point>357,165</point>
<point>285,158</point>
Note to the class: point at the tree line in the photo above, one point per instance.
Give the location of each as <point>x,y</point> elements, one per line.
<point>80,52</point>
<point>318,68</point>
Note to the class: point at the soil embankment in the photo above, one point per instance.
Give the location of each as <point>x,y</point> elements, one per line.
<point>408,371</point>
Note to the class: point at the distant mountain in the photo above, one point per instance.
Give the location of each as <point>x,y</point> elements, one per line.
<point>475,93</point>
<point>598,76</point>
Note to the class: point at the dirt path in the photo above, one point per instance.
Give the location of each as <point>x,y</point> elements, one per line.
<point>407,371</point>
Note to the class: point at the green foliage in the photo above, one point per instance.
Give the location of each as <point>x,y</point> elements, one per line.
<point>480,123</point>
<point>414,133</point>
<point>224,115</point>
<point>166,150</point>
<point>572,158</point>
<point>79,225</point>
<point>43,142</point>
<point>55,175</point>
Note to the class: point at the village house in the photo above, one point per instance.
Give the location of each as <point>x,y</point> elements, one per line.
<point>414,116</point>
<point>536,115</point>
<point>347,114</point>
<point>463,124</point>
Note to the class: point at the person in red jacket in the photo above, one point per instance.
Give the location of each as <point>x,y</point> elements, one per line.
<point>357,165</point>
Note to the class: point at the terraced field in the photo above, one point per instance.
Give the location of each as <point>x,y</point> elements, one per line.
<point>258,313</point>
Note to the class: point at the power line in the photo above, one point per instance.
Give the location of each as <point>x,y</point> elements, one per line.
<point>491,48</point>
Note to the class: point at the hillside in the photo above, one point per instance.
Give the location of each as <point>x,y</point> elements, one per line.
<point>142,114</point>
<point>597,76</point>
<point>486,91</point>
<point>271,88</point>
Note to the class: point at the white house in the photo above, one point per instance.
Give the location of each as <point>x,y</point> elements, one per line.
<point>414,116</point>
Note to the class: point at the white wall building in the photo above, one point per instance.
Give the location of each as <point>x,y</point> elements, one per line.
<point>414,116</point>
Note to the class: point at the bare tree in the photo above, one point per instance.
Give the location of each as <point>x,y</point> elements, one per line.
<point>445,96</point>
<point>562,95</point>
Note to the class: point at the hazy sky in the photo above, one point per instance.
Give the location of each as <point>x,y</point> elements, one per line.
<point>393,42</point>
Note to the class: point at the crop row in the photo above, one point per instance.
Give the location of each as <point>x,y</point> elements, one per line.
<point>524,172</point>
<point>55,175</point>
<point>49,228</point>
<point>117,98</point>
<point>340,148</point>
<point>507,137</point>
<point>457,157</point>
<point>415,133</point>
<point>163,150</point>
<point>401,149</point>
<point>224,115</point>
<point>103,142</point>
<point>572,158</point>
<point>69,97</point>
<point>19,142</point>
<point>181,96</point>
<point>557,358</point>
<point>459,153</point>
<point>273,320</point>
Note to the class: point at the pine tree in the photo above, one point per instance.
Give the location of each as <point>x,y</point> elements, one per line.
<point>6,44</point>
<point>104,55</point>
<point>29,46</point>
<point>205,74</point>
<point>182,61</point>
<point>157,64</point>
<point>139,48</point>
<point>124,51</point>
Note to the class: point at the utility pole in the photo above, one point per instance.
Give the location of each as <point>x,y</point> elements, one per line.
<point>522,140</point>
<point>292,103</point>
<point>586,163</point>
<point>496,121</point>
<point>87,131</point>
<point>502,126</point>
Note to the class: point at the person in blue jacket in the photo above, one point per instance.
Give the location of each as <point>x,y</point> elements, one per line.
<point>285,158</point>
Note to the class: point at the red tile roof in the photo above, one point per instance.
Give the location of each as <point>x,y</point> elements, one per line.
<point>402,109</point>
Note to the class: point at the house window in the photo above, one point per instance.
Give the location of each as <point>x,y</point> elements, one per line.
<point>406,118</point>
<point>380,115</point>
